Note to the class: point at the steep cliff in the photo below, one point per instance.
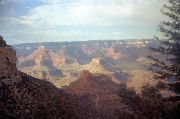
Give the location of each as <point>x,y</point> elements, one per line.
<point>25,97</point>
<point>7,60</point>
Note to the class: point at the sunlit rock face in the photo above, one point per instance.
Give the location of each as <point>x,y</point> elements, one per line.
<point>62,62</point>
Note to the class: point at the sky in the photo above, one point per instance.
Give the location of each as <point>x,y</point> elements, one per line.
<point>26,21</point>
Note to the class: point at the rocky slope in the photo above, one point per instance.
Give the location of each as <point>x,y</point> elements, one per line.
<point>25,97</point>
<point>7,60</point>
<point>95,97</point>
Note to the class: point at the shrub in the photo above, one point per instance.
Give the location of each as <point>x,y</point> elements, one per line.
<point>161,85</point>
<point>149,104</point>
<point>50,108</point>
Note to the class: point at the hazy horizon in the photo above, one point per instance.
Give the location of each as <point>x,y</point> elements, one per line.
<point>26,21</point>
<point>80,41</point>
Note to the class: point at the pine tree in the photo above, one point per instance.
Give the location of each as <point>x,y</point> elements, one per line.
<point>168,66</point>
<point>2,42</point>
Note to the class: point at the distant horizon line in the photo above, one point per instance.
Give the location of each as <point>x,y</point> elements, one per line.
<point>144,39</point>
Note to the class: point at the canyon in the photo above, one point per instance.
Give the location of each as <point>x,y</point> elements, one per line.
<point>91,96</point>
<point>62,63</point>
<point>62,82</point>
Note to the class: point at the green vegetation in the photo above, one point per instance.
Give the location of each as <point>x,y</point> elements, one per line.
<point>52,107</point>
<point>169,66</point>
<point>149,104</point>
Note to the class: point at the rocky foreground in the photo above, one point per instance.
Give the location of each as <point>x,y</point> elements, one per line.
<point>25,97</point>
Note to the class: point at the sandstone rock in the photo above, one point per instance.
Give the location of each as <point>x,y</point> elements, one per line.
<point>86,75</point>
<point>95,97</point>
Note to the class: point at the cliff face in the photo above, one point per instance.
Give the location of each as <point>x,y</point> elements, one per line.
<point>25,97</point>
<point>7,61</point>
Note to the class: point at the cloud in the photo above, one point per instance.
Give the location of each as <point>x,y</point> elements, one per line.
<point>58,19</point>
<point>83,12</point>
<point>117,33</point>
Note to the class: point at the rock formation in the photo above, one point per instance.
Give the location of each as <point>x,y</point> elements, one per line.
<point>7,60</point>
<point>25,97</point>
<point>86,75</point>
<point>95,97</point>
